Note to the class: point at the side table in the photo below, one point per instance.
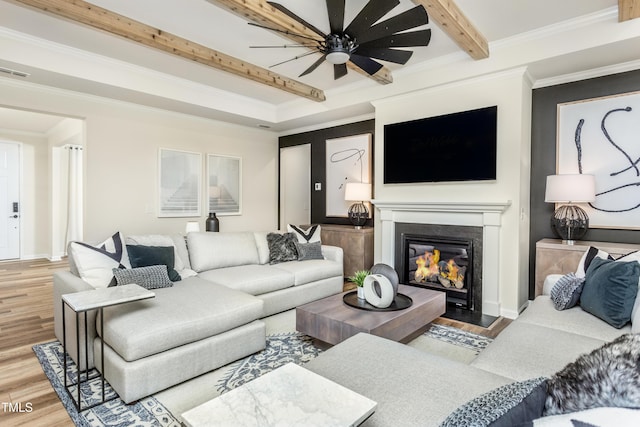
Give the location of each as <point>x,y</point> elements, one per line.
<point>357,245</point>
<point>82,302</point>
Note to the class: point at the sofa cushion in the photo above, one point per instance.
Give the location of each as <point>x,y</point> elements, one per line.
<point>307,251</point>
<point>252,279</point>
<point>218,250</point>
<point>412,387</point>
<point>305,235</point>
<point>95,263</point>
<point>151,277</point>
<point>610,290</point>
<point>177,241</point>
<point>263,246</point>
<point>524,351</point>
<point>575,320</point>
<point>191,310</point>
<point>309,271</point>
<point>145,256</point>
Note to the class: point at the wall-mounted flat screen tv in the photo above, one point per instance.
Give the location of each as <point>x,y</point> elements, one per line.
<point>453,147</point>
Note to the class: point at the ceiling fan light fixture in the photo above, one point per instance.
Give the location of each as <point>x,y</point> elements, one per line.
<point>338,57</point>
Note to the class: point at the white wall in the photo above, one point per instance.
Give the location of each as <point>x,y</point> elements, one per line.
<point>121,161</point>
<point>511,92</point>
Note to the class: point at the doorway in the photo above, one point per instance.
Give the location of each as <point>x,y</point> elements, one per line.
<point>9,200</point>
<point>295,185</point>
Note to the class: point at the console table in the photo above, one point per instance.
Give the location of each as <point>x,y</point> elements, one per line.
<point>555,257</point>
<point>357,245</point>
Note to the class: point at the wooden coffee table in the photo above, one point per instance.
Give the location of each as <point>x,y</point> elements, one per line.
<point>332,321</point>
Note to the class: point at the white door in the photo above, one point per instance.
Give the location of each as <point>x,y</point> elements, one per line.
<point>295,185</point>
<point>9,200</point>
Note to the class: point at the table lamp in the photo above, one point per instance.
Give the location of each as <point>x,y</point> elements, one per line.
<point>569,221</point>
<point>358,192</point>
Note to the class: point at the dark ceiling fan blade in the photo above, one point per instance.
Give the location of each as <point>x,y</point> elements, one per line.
<point>292,15</point>
<point>335,8</point>
<point>414,38</point>
<point>369,15</point>
<point>367,64</point>
<point>404,21</point>
<point>386,54</point>
<point>339,70</point>
<point>313,66</point>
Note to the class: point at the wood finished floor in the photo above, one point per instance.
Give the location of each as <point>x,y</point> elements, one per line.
<point>26,318</point>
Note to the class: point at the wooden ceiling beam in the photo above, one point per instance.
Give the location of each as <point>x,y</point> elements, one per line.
<point>103,19</point>
<point>450,18</point>
<point>628,9</point>
<point>260,12</point>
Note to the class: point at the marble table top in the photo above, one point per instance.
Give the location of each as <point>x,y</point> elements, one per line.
<point>104,297</point>
<point>288,396</point>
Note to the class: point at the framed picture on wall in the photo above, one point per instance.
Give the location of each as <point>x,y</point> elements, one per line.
<point>180,178</point>
<point>348,160</point>
<point>600,137</point>
<point>224,184</point>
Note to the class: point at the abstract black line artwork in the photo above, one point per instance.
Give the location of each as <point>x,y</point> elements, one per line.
<point>601,137</point>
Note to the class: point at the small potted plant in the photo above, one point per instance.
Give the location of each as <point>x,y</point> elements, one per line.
<point>358,278</point>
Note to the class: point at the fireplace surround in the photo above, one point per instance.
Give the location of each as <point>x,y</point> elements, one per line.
<point>487,215</point>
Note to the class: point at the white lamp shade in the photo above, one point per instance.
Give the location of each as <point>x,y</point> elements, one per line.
<point>357,191</point>
<point>570,188</point>
<point>192,226</point>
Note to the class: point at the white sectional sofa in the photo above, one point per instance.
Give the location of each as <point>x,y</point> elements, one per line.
<point>203,321</point>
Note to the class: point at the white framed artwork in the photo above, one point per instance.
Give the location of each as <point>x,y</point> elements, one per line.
<point>348,159</point>
<point>179,182</point>
<point>224,184</point>
<point>601,137</point>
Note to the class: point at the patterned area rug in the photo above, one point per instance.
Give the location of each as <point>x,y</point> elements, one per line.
<point>280,350</point>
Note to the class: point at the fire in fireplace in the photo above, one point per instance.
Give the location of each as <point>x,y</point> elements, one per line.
<point>440,263</point>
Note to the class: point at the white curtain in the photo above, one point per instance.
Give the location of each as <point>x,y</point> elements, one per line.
<point>74,198</point>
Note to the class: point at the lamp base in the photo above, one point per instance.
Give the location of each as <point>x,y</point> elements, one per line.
<point>358,214</point>
<point>570,222</point>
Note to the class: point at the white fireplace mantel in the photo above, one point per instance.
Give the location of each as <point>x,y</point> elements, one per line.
<point>481,214</point>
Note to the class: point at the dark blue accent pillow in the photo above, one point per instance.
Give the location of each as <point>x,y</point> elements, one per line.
<point>145,256</point>
<point>610,290</point>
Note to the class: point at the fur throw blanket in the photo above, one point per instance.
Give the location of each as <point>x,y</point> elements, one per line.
<point>607,377</point>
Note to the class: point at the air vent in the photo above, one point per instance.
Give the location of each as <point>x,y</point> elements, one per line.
<point>14,72</point>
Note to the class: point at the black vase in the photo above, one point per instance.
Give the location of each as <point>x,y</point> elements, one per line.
<point>212,223</point>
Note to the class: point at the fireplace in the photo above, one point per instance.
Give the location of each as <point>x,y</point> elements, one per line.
<point>446,258</point>
<point>440,263</point>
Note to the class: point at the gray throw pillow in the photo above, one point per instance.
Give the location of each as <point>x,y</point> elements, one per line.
<point>510,405</point>
<point>282,247</point>
<point>610,290</point>
<point>566,292</point>
<point>606,377</point>
<point>309,251</point>
<point>151,277</point>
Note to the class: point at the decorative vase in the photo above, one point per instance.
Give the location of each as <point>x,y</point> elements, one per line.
<point>378,290</point>
<point>212,223</point>
<point>360,292</point>
<point>388,272</point>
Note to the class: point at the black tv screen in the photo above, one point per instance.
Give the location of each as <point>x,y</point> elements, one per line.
<point>453,147</point>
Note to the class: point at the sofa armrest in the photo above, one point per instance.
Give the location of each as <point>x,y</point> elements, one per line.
<point>65,282</point>
<point>333,253</point>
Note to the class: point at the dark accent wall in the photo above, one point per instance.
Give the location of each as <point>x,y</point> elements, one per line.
<point>543,154</point>
<point>317,140</point>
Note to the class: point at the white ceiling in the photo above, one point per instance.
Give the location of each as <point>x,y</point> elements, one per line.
<point>129,66</point>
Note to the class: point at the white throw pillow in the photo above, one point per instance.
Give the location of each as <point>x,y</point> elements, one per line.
<point>95,264</point>
<point>308,235</point>
<point>591,253</point>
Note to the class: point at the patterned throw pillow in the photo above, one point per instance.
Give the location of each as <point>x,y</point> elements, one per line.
<point>94,264</point>
<point>309,251</point>
<point>282,247</point>
<point>586,259</point>
<point>510,405</point>
<point>151,277</point>
<point>310,235</point>
<point>566,292</point>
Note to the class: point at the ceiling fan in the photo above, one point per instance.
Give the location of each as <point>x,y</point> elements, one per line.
<point>363,39</point>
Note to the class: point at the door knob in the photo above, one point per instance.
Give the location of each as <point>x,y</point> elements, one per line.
<point>14,216</point>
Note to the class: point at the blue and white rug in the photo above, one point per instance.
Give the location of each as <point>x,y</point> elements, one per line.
<point>280,350</point>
